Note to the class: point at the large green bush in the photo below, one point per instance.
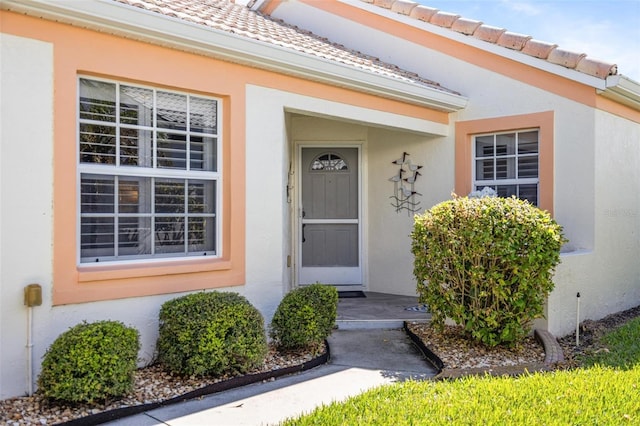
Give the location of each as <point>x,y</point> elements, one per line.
<point>305,317</point>
<point>90,362</point>
<point>486,263</point>
<point>213,333</point>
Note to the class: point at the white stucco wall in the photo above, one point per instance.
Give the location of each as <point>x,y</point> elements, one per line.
<point>382,136</point>
<point>599,210</point>
<point>607,278</point>
<point>390,258</point>
<point>26,146</point>
<point>26,199</point>
<point>596,177</point>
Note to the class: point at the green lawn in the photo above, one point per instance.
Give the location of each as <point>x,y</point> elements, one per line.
<point>604,392</point>
<point>622,347</point>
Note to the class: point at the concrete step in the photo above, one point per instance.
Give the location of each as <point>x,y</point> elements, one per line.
<point>375,324</point>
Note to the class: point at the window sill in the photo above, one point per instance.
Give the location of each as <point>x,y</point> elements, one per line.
<point>91,273</point>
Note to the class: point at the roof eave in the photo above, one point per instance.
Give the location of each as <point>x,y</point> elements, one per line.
<point>515,55</point>
<point>624,90</point>
<point>135,23</point>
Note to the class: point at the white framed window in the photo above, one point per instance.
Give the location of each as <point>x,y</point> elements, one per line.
<point>149,175</point>
<point>508,163</point>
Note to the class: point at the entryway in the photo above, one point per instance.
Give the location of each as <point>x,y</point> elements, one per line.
<point>379,311</point>
<point>329,233</point>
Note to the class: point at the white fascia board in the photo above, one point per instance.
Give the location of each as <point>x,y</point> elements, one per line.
<point>623,90</point>
<point>504,52</point>
<point>136,23</point>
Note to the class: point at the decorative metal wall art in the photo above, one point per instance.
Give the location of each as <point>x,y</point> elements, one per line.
<point>404,193</point>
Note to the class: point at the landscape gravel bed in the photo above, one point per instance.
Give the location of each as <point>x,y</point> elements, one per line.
<point>458,352</point>
<point>152,384</point>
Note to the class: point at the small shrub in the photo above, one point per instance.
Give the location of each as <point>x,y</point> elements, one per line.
<point>90,362</point>
<point>486,263</point>
<point>305,317</point>
<point>213,333</point>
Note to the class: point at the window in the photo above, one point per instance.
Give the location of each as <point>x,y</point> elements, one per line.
<point>329,163</point>
<point>508,163</point>
<point>149,175</point>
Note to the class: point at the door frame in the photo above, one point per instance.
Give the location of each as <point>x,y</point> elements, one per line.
<point>297,206</point>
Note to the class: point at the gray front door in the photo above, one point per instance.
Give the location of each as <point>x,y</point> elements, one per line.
<point>330,217</point>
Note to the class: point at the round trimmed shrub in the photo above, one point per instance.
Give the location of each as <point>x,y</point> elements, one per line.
<point>90,362</point>
<point>305,317</point>
<point>487,264</point>
<point>208,334</point>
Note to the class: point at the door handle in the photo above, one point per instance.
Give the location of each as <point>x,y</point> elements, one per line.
<point>303,238</point>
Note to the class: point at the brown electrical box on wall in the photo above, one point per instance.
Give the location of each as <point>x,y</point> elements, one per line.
<point>33,295</point>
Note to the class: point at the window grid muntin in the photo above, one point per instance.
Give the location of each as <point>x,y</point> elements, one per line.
<point>500,184</point>
<point>187,132</point>
<point>332,163</point>
<point>153,172</point>
<point>187,215</point>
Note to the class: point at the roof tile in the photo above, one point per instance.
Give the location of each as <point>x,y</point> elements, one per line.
<point>444,19</point>
<point>384,3</point>
<point>513,40</point>
<point>566,58</point>
<point>597,68</point>
<point>499,36</point>
<point>538,49</point>
<point>488,33</point>
<point>423,13</point>
<point>224,15</point>
<point>466,26</point>
<point>403,7</point>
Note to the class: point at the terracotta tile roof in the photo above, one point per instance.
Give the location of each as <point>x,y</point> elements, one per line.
<point>224,15</point>
<point>501,37</point>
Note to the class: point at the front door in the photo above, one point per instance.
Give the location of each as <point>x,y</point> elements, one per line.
<point>329,235</point>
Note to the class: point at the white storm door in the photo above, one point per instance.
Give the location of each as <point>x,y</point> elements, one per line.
<point>329,234</point>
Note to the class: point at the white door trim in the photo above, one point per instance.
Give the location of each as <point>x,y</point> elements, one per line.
<point>297,222</point>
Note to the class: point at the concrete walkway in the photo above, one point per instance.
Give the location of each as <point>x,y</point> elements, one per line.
<point>360,360</point>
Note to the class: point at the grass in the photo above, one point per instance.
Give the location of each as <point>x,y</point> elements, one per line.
<point>621,347</point>
<point>604,392</point>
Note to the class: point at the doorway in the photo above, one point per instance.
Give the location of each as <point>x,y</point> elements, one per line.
<point>329,233</point>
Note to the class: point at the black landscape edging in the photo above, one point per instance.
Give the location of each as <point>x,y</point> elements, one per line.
<point>548,342</point>
<point>428,353</point>
<point>235,382</point>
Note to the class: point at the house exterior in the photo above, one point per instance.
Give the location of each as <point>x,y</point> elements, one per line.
<point>180,146</point>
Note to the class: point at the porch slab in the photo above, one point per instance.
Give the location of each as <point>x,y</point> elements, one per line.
<point>379,311</point>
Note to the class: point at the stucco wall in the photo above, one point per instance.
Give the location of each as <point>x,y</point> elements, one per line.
<point>596,178</point>
<point>599,210</point>
<point>390,258</point>
<point>491,95</point>
<point>257,124</point>
<point>607,277</point>
<point>387,259</point>
<point>26,81</point>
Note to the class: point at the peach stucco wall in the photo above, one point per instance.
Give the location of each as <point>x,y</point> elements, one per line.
<point>82,52</point>
<point>41,62</point>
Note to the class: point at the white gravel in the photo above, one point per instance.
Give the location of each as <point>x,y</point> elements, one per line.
<point>459,352</point>
<point>152,384</point>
